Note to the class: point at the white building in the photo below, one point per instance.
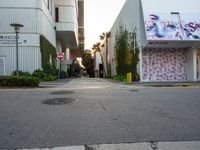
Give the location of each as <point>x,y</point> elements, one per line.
<point>168,35</point>
<point>98,65</point>
<point>50,26</point>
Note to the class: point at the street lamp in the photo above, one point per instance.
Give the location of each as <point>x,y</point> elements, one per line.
<point>180,22</point>
<point>17,30</point>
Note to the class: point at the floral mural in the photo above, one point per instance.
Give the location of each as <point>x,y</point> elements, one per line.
<point>164,64</point>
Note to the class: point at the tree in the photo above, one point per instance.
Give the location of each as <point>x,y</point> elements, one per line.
<point>76,52</point>
<point>106,35</point>
<point>121,45</point>
<point>127,53</point>
<point>88,62</point>
<point>135,54</point>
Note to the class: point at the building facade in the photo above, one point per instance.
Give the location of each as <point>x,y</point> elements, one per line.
<point>50,26</point>
<point>168,37</point>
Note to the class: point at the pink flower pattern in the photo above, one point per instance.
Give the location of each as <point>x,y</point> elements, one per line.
<point>164,64</point>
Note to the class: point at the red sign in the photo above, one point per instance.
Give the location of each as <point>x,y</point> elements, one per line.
<point>60,56</point>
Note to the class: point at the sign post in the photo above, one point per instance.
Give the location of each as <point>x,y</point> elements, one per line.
<point>59,57</point>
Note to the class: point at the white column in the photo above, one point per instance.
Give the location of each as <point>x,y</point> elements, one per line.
<point>67,54</point>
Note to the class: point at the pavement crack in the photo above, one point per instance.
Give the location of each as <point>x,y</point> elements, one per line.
<point>102,106</point>
<point>154,145</point>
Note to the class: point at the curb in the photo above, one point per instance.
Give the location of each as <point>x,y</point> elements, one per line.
<point>187,145</point>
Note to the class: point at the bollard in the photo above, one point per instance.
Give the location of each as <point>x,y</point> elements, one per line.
<point>129,77</point>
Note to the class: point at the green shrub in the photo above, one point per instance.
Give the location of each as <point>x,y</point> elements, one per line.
<point>39,73</point>
<point>49,78</point>
<point>43,75</point>
<point>13,81</point>
<point>21,73</point>
<point>50,70</point>
<point>120,78</point>
<point>63,74</point>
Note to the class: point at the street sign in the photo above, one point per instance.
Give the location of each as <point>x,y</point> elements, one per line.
<point>60,56</point>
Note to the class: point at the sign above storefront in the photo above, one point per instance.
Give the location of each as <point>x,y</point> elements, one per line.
<point>24,40</point>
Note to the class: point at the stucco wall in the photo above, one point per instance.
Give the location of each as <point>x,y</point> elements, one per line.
<point>131,18</point>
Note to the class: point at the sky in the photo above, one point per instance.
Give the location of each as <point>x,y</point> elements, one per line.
<point>99,17</point>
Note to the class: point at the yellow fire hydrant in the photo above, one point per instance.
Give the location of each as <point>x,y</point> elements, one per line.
<point>129,77</point>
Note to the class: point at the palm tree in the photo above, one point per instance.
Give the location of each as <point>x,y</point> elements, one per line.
<point>106,35</point>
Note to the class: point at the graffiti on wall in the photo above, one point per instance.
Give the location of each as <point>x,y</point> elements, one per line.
<point>164,64</point>
<point>160,29</point>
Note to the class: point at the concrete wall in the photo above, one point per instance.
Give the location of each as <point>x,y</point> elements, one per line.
<point>67,26</point>
<point>97,62</point>
<point>130,17</point>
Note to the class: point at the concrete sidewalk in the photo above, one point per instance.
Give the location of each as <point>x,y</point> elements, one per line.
<point>167,84</point>
<point>151,84</point>
<point>190,145</point>
<point>56,83</point>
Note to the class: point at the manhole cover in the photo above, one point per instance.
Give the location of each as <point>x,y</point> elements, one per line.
<point>134,90</point>
<point>59,101</point>
<point>62,92</point>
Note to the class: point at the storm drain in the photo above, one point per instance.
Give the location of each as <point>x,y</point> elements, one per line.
<point>59,101</point>
<point>62,92</point>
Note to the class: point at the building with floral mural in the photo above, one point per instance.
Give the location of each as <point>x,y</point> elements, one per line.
<point>168,35</point>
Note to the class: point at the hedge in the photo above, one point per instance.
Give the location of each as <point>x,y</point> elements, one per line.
<point>13,81</point>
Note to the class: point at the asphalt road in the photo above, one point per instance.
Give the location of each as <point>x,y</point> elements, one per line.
<point>104,112</point>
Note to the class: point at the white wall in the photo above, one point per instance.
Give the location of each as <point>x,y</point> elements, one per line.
<point>68,16</point>
<point>191,65</point>
<point>131,18</point>
<point>33,14</point>
<point>37,20</point>
<point>29,58</point>
<point>97,62</point>
<point>45,22</point>
<point>190,6</point>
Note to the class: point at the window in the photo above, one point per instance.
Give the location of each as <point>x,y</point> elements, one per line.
<point>56,14</point>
